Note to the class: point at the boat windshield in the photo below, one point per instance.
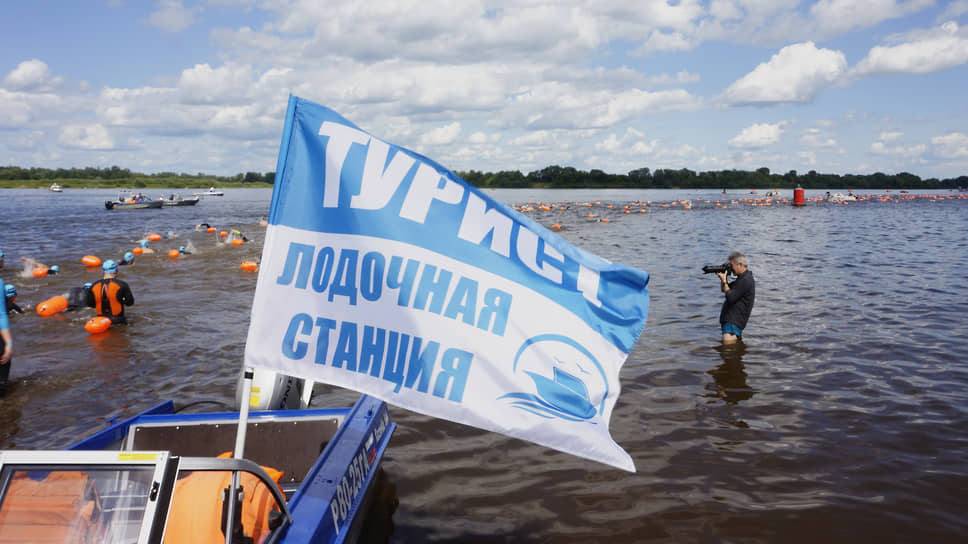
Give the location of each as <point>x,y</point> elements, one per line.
<point>50,497</point>
<point>134,497</point>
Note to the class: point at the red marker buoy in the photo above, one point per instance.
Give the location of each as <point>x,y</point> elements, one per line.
<point>798,199</point>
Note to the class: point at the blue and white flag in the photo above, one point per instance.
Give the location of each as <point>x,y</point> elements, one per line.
<point>386,273</point>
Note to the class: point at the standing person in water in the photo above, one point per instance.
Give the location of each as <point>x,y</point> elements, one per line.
<point>740,295</point>
<point>110,295</point>
<point>6,341</point>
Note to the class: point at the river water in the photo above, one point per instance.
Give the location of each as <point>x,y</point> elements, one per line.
<point>841,417</point>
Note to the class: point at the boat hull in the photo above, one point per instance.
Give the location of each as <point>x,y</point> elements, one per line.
<point>117,205</point>
<point>182,202</point>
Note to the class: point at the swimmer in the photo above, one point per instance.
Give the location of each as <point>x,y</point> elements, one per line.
<point>183,251</point>
<point>144,247</point>
<point>30,265</point>
<point>54,269</point>
<point>10,299</point>
<point>171,234</point>
<point>202,226</point>
<point>238,234</point>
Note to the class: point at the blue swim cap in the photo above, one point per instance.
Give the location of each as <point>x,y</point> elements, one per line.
<point>110,266</point>
<point>54,268</point>
<point>88,285</point>
<point>9,291</point>
<point>181,249</point>
<point>128,256</point>
<point>1,253</point>
<point>144,243</point>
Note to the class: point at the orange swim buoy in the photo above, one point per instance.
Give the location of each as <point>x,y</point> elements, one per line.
<point>97,324</point>
<point>40,272</point>
<point>154,237</point>
<point>237,242</point>
<point>91,260</point>
<point>223,233</point>
<point>52,306</point>
<point>211,229</point>
<point>137,250</point>
<point>173,253</point>
<point>250,266</point>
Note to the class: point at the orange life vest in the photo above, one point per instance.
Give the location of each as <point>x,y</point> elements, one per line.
<point>107,290</point>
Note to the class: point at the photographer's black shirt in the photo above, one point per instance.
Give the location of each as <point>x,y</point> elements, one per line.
<point>739,300</point>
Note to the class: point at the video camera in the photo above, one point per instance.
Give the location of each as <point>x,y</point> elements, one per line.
<point>725,267</point>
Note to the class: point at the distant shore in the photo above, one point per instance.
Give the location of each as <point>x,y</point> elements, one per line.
<point>167,184</point>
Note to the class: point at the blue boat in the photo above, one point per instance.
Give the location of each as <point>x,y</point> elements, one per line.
<point>162,476</point>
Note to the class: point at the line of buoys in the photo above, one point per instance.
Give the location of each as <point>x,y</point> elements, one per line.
<point>97,324</point>
<point>91,260</point>
<point>250,266</point>
<point>52,306</point>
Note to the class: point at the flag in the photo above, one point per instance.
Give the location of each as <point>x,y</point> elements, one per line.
<point>385,273</point>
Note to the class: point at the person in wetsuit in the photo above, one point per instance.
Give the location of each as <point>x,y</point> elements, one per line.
<point>110,295</point>
<point>10,299</point>
<point>6,341</point>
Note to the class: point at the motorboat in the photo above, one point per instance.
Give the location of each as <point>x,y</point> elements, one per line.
<point>839,197</point>
<point>132,201</point>
<point>163,476</point>
<point>177,200</point>
<point>55,188</point>
<point>210,192</point>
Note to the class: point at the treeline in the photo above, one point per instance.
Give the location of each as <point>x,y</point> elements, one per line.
<point>643,178</point>
<point>553,177</point>
<point>115,173</point>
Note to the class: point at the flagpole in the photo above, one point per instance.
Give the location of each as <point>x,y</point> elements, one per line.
<point>239,450</point>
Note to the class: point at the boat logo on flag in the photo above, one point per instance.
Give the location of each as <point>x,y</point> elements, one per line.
<point>561,386</point>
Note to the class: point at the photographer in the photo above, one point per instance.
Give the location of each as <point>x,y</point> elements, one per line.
<point>740,294</point>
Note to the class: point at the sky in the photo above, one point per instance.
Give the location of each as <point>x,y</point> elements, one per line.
<point>186,86</point>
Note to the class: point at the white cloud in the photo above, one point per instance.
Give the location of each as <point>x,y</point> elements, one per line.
<point>666,41</point>
<point>86,137</point>
<point>951,146</point>
<point>172,16</point>
<point>880,148</point>
<point>228,83</point>
<point>679,78</point>
<point>819,139</point>
<point>890,136</point>
<point>837,16</point>
<point>758,135</point>
<point>954,9</point>
<point>942,48</point>
<point>30,75</point>
<point>797,73</point>
<point>444,135</point>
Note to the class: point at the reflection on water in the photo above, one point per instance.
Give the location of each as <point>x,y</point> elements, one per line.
<point>730,377</point>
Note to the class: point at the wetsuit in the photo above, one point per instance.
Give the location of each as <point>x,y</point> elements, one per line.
<point>79,297</point>
<point>739,301</point>
<point>4,325</point>
<point>109,297</point>
<point>12,306</point>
